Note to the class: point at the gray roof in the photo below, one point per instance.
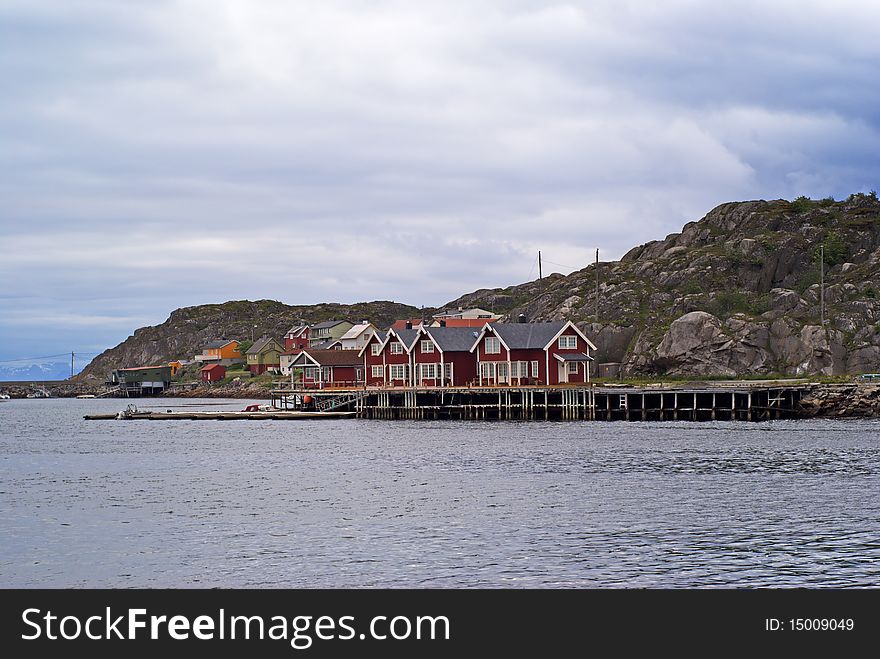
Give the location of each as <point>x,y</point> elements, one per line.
<point>326,344</point>
<point>329,323</point>
<point>524,336</point>
<point>216,344</point>
<point>452,339</point>
<point>407,336</point>
<point>296,330</point>
<point>258,347</point>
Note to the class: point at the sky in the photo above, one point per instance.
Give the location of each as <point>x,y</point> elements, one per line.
<point>164,153</point>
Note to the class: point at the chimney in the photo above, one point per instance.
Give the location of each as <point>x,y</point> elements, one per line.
<point>409,324</point>
<point>522,318</point>
<point>442,323</point>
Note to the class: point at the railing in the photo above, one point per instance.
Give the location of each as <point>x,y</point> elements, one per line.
<point>338,401</point>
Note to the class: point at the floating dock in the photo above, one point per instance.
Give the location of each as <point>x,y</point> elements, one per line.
<point>722,402</point>
<point>274,415</point>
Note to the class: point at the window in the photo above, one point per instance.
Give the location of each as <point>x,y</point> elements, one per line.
<point>447,371</point>
<point>377,371</point>
<point>427,346</point>
<point>492,345</point>
<point>429,371</point>
<point>572,367</point>
<point>396,348</point>
<point>376,349</point>
<point>486,370</point>
<point>310,372</point>
<point>534,369</point>
<point>398,371</point>
<point>568,343</point>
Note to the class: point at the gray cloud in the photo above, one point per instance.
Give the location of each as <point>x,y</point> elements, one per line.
<point>160,154</point>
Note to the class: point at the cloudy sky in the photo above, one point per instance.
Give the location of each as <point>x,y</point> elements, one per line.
<point>165,153</point>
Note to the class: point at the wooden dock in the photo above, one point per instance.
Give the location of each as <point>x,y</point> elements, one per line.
<point>274,415</point>
<point>739,401</point>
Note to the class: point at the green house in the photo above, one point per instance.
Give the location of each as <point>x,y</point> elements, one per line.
<point>264,355</point>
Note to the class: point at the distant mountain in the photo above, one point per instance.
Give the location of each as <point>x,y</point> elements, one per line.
<point>43,371</point>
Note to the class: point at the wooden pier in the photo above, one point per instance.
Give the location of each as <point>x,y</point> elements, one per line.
<point>734,402</point>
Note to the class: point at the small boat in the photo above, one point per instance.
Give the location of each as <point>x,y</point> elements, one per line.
<point>87,396</point>
<point>5,396</point>
<point>259,408</point>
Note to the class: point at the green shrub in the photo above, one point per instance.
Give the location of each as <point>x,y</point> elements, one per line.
<point>801,204</point>
<point>836,249</point>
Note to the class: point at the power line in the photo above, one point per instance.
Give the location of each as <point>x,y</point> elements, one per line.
<point>35,359</point>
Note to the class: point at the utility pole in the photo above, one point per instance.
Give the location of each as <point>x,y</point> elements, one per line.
<point>822,285</point>
<point>540,274</point>
<point>71,364</point>
<point>597,285</point>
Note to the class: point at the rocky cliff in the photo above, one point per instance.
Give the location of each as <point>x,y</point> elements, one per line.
<point>735,293</point>
<point>188,329</point>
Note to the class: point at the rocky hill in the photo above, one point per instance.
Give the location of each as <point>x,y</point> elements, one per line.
<point>736,293</point>
<point>189,328</point>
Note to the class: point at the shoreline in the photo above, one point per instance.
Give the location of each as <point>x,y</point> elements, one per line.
<point>844,401</point>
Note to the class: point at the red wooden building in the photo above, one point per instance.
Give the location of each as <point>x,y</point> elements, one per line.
<point>213,373</point>
<point>532,353</point>
<point>389,363</point>
<point>442,357</point>
<point>297,338</point>
<point>327,369</point>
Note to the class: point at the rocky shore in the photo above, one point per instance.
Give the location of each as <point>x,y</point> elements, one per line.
<point>843,401</point>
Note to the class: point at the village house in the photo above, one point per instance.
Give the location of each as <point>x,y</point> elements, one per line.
<point>213,373</point>
<point>441,357</point>
<point>326,369</point>
<point>328,330</point>
<point>297,338</point>
<point>387,363</point>
<point>357,336</point>
<point>532,353</point>
<point>474,313</point>
<point>264,355</point>
<point>220,352</point>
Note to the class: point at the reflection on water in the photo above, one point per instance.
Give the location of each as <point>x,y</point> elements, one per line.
<point>436,504</point>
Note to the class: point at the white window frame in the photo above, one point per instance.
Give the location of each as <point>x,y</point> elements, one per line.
<point>310,372</point>
<point>428,371</point>
<point>427,346</point>
<point>378,371</point>
<point>447,371</point>
<point>398,371</point>
<point>535,369</point>
<point>495,344</point>
<point>375,349</point>
<point>486,370</point>
<point>572,371</point>
<point>396,348</point>
<point>564,342</point>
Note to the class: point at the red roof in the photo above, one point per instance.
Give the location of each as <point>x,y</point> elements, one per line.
<point>468,322</point>
<point>211,367</point>
<point>401,324</point>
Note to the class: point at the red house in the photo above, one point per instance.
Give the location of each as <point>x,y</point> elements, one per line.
<point>388,364</point>
<point>327,369</point>
<point>213,373</point>
<point>442,357</point>
<point>297,338</point>
<point>532,353</point>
